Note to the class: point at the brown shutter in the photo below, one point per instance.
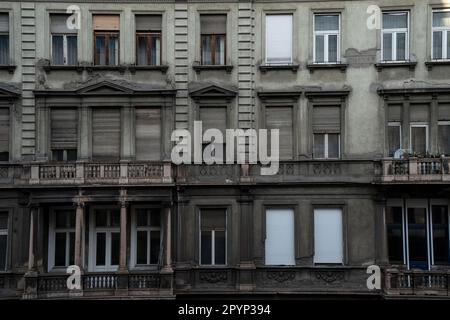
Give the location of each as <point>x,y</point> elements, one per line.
<point>58,24</point>
<point>326,119</point>
<point>106,133</point>
<point>214,117</point>
<point>395,113</point>
<point>106,22</point>
<point>419,113</point>
<point>148,133</point>
<point>444,112</point>
<point>64,128</point>
<point>4,130</point>
<point>281,118</point>
<point>213,219</point>
<point>148,22</point>
<point>213,23</point>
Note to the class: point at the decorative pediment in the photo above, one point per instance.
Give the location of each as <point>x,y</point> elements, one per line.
<point>7,91</point>
<point>104,88</point>
<point>212,91</point>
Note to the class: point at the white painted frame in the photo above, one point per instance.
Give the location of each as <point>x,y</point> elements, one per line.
<point>325,155</point>
<point>65,50</point>
<point>52,230</point>
<point>326,34</point>
<point>444,31</point>
<point>419,125</point>
<point>394,33</point>
<point>213,257</point>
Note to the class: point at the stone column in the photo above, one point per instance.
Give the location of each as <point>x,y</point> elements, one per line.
<point>123,236</point>
<point>31,276</point>
<point>167,240</point>
<point>79,231</point>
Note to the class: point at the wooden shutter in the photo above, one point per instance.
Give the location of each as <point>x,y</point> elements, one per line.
<point>4,22</point>
<point>106,133</point>
<point>419,113</point>
<point>213,23</point>
<point>395,113</point>
<point>281,118</point>
<point>214,117</point>
<point>326,119</point>
<point>148,133</point>
<point>444,112</point>
<point>64,128</point>
<point>148,22</point>
<point>213,219</point>
<point>58,24</point>
<point>4,130</point>
<point>106,22</point>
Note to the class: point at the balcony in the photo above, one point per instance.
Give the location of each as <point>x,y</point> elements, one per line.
<point>424,170</point>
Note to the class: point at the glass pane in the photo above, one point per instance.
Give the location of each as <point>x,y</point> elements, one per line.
<point>437,45</point>
<point>115,218</point>
<point>142,217</point>
<point>101,249</point>
<point>101,218</point>
<point>441,19</point>
<point>319,146</point>
<point>333,146</point>
<point>142,58</point>
<point>220,50</point>
<point>58,155</point>
<point>219,247</point>
<point>60,219</point>
<point>440,234</point>
<point>100,50</point>
<point>395,20</point>
<point>444,139</point>
<point>401,46</point>
<point>71,218</point>
<point>332,48</point>
<point>417,237</point>
<point>72,155</point>
<point>395,234</point>
<point>387,46</point>
<point>60,249</point>
<point>419,140</point>
<point>58,50</point>
<point>4,49</point>
<point>326,22</point>
<point>320,48</point>
<point>115,248</point>
<point>3,242</point>
<point>141,247</point>
<point>156,51</point>
<point>206,50</point>
<point>155,218</point>
<point>71,248</point>
<point>3,220</point>
<point>393,139</point>
<point>154,246</point>
<point>113,50</point>
<point>72,54</point>
<point>448,44</point>
<point>206,247</point>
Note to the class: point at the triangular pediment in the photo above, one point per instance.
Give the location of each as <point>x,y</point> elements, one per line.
<point>213,91</point>
<point>104,88</point>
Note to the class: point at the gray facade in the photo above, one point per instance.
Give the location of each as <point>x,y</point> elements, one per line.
<point>91,164</point>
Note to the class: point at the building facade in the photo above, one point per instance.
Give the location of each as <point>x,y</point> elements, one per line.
<point>360,91</point>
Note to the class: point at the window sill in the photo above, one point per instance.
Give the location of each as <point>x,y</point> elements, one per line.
<point>120,68</point>
<point>50,68</point>
<point>8,67</point>
<point>160,68</point>
<point>200,68</point>
<point>318,66</point>
<point>274,67</point>
<point>405,64</point>
<point>436,63</point>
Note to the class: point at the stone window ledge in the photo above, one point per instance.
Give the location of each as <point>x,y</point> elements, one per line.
<point>404,64</point>
<point>160,68</point>
<point>200,68</point>
<point>274,67</point>
<point>319,66</point>
<point>8,67</point>
<point>120,68</point>
<point>436,63</point>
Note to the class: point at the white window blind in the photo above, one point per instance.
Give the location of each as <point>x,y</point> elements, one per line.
<point>328,242</point>
<point>279,39</point>
<point>280,237</point>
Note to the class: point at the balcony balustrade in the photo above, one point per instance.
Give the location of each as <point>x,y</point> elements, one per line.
<point>426,170</point>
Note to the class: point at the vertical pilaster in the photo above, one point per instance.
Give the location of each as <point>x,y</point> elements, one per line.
<point>79,231</point>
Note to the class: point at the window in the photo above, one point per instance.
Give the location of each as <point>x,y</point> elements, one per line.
<point>326,38</point>
<point>279,38</point>
<point>441,35</point>
<point>147,236</point>
<point>106,239</point>
<point>326,132</point>
<point>213,117</point>
<point>4,39</point>
<point>4,134</point>
<point>213,38</point>
<point>395,41</point>
<point>281,117</point>
<point>62,238</point>
<point>3,239</point>
<point>213,236</point>
<point>328,236</point>
<point>106,40</point>
<point>64,134</point>
<point>394,224</point>
<point>106,133</point>
<point>148,133</point>
<point>440,234</point>
<point>419,119</point>
<point>64,41</point>
<point>394,134</point>
<point>280,239</point>
<point>148,40</point>
<point>444,129</point>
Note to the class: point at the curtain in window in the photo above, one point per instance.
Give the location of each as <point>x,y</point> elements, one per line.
<point>280,237</point>
<point>332,48</point>
<point>401,46</point>
<point>113,50</point>
<point>419,140</point>
<point>58,49</point>
<point>156,50</point>
<point>326,22</point>
<point>279,39</point>
<point>393,139</point>
<point>328,236</point>
<point>437,45</point>
<point>72,54</point>
<point>206,50</point>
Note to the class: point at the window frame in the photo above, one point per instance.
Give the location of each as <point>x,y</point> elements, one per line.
<point>4,232</point>
<point>343,214</point>
<point>291,14</point>
<point>326,34</point>
<point>9,34</point>
<point>441,123</point>
<point>149,35</point>
<point>326,149</point>
<point>65,48</point>
<point>10,131</point>
<point>445,31</point>
<point>425,125</point>
<point>395,124</point>
<point>213,264</point>
<point>394,33</point>
<point>213,38</point>
<point>52,230</point>
<point>107,34</point>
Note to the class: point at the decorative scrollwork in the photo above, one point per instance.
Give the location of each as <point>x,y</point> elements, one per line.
<point>214,276</point>
<point>280,276</point>
<point>329,276</point>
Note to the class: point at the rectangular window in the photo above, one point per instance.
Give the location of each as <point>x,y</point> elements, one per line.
<point>213,235</point>
<point>394,137</point>
<point>106,231</point>
<point>279,30</point>
<point>280,237</point>
<point>64,41</point>
<point>106,133</point>
<point>394,223</point>
<point>213,117</point>
<point>444,129</point>
<point>64,134</point>
<point>148,40</point>
<point>147,242</point>
<point>106,39</point>
<point>213,38</point>
<point>281,118</point>
<point>326,38</point>
<point>326,128</point>
<point>328,236</point>
<point>441,35</point>
<point>417,237</point>
<point>3,239</point>
<point>4,134</point>
<point>4,39</point>
<point>440,234</point>
<point>148,133</point>
<point>62,238</point>
<point>419,118</point>
<point>395,42</point>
